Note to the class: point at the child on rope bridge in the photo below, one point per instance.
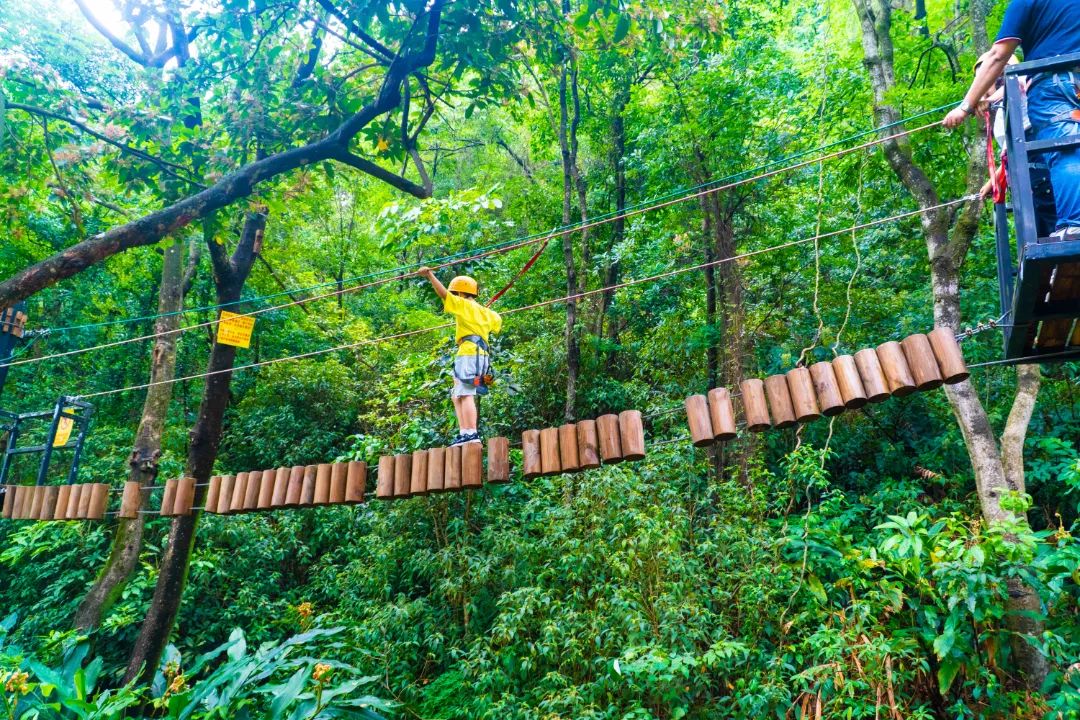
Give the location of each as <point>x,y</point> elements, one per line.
<point>472,364</point>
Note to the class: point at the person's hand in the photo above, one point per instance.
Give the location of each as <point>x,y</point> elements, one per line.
<point>955,118</point>
<point>425,271</point>
<point>986,190</point>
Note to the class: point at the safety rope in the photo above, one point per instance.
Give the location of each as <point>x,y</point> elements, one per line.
<point>525,268</point>
<point>544,303</point>
<point>523,243</point>
<point>571,227</point>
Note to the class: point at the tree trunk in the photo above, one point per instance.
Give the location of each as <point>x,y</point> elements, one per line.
<point>230,275</point>
<point>127,542</point>
<point>946,250</point>
<point>618,235</point>
<point>569,162</point>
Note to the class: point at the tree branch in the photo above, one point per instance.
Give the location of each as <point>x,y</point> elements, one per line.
<point>165,165</point>
<point>343,155</point>
<point>386,53</point>
<point>152,228</point>
<point>157,60</point>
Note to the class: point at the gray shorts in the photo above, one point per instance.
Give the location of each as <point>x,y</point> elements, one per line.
<point>465,366</point>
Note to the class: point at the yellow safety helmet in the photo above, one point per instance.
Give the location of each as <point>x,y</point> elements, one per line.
<point>464,284</point>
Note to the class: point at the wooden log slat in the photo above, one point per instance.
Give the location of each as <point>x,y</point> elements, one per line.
<point>418,478</point>
<point>849,382</point>
<point>721,414</point>
<point>920,358</point>
<point>27,494</point>
<point>322,484</point>
<point>252,491</point>
<point>236,502</point>
<point>224,504</point>
<point>48,505</point>
<point>873,377</point>
<point>296,486</point>
<point>755,407</point>
<point>99,501</point>
<point>131,500</point>
<point>402,475</point>
<point>452,468</point>
<point>185,496</point>
<point>40,495</point>
<point>632,435</point>
<point>803,397</point>
<point>568,451</point>
<point>168,497</point>
<point>588,445</point>
<point>498,456</point>
<point>780,408</point>
<point>339,480</point>
<point>74,496</point>
<point>23,501</point>
<point>36,500</point>
<point>266,490</point>
<point>895,367</point>
<point>85,498</point>
<point>607,427</point>
<point>212,494</point>
<point>827,389</point>
<point>531,463</point>
<point>949,358</point>
<point>355,482</point>
<point>472,465</point>
<point>281,487</point>
<point>9,502</point>
<point>52,499</point>
<point>550,463</point>
<point>307,490</point>
<point>19,500</point>
<point>384,487</point>
<point>697,417</point>
<point>436,468</point>
<point>62,497</point>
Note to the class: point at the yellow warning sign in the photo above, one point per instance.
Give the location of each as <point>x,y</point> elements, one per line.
<point>235,329</point>
<point>63,429</point>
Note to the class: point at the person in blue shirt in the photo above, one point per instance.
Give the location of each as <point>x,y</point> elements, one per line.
<point>1044,29</point>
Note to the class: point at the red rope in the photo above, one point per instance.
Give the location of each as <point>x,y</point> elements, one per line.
<point>522,271</point>
<point>998,182</point>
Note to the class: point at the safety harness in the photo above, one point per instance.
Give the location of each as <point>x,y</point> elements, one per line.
<point>482,376</point>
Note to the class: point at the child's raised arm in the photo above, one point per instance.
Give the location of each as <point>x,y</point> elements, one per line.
<point>440,289</point>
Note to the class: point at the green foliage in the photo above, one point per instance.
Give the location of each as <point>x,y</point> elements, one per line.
<point>841,571</point>
<point>275,681</point>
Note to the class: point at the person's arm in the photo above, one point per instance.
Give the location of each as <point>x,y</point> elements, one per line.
<point>988,74</point>
<point>440,289</point>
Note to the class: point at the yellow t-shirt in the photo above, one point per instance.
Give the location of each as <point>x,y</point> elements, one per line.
<point>472,319</point>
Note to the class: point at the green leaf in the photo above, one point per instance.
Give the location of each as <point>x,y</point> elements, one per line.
<point>946,674</point>
<point>288,693</point>
<point>817,588</point>
<point>622,28</point>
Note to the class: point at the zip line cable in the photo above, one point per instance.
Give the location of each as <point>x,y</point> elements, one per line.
<point>558,232</point>
<point>571,226</point>
<point>544,303</point>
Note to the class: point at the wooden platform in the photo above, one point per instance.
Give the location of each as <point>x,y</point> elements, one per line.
<point>1045,318</point>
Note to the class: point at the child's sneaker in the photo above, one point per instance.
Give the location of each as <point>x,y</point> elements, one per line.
<point>472,438</point>
<point>458,439</point>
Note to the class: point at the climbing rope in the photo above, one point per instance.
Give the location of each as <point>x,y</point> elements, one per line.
<point>544,303</point>
<point>501,249</point>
